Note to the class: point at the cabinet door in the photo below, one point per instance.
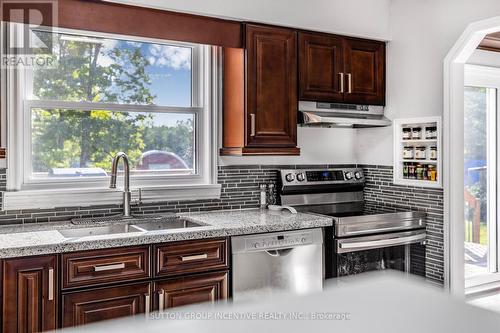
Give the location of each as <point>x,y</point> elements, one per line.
<point>190,290</point>
<point>364,65</point>
<point>321,76</point>
<point>29,294</point>
<point>89,306</point>
<point>271,112</point>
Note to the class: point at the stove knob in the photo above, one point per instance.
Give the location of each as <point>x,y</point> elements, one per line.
<point>289,177</point>
<point>348,175</point>
<point>301,177</point>
<point>358,175</point>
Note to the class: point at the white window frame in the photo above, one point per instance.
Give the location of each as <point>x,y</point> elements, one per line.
<point>25,192</point>
<point>489,77</point>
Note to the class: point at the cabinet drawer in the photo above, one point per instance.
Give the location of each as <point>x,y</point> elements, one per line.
<point>105,266</point>
<point>190,257</point>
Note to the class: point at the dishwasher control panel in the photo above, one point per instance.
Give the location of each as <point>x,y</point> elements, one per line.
<point>279,240</point>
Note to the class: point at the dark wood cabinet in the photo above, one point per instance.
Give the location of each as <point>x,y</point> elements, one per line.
<point>364,64</point>
<point>260,94</point>
<point>341,69</point>
<point>190,290</point>
<point>190,257</point>
<point>321,67</point>
<point>271,87</point>
<point>30,294</point>
<point>90,306</point>
<point>100,267</point>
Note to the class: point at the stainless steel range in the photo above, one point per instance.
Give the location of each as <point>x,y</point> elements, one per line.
<point>358,241</point>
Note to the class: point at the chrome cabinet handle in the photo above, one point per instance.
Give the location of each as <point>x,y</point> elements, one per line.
<point>252,124</point>
<point>349,83</point>
<point>161,300</point>
<point>109,267</point>
<point>341,80</point>
<point>147,298</point>
<point>51,284</point>
<point>194,257</point>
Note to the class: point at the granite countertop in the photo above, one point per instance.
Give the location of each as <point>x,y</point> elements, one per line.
<point>44,238</point>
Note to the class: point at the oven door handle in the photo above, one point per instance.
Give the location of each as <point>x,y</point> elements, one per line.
<point>373,244</point>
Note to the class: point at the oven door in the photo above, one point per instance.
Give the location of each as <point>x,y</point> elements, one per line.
<point>377,252</point>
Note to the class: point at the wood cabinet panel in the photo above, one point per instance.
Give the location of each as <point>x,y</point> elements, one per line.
<point>271,87</point>
<point>191,257</point>
<point>182,291</point>
<point>364,63</point>
<point>98,267</point>
<point>90,306</point>
<point>321,66</point>
<point>29,294</point>
<point>260,94</point>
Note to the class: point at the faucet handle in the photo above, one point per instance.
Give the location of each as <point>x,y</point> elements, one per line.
<point>138,201</point>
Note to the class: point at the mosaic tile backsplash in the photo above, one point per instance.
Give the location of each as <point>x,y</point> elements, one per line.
<point>240,189</point>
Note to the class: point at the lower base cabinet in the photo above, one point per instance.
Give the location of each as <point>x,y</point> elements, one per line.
<point>29,294</point>
<point>42,293</point>
<point>90,306</point>
<point>190,290</point>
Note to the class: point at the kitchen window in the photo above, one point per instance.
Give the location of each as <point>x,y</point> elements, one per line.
<point>99,94</point>
<point>481,174</point>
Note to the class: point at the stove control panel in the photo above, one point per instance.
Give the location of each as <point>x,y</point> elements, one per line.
<point>321,176</point>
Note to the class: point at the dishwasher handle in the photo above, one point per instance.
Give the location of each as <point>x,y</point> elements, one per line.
<point>279,253</point>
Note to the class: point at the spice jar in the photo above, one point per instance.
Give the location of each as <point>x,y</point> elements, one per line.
<point>431,132</point>
<point>408,153</point>
<point>432,173</point>
<point>419,171</point>
<point>425,172</point>
<point>411,171</point>
<point>433,153</point>
<point>406,133</point>
<point>420,153</point>
<point>416,133</point>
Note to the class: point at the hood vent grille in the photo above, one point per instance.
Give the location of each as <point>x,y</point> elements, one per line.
<point>321,114</point>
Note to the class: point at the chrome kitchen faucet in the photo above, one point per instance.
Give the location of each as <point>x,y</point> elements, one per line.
<point>126,180</point>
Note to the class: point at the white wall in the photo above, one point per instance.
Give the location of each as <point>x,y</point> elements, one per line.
<point>422,33</point>
<point>318,146</point>
<point>364,18</point>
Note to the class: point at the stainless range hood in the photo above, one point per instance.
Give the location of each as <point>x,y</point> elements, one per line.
<point>320,114</point>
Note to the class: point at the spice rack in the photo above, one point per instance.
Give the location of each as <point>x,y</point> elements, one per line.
<point>417,152</point>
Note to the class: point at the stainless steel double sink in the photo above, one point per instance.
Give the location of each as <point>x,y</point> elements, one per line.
<point>129,225</point>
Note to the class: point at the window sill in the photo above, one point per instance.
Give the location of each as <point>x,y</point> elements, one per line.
<point>46,199</point>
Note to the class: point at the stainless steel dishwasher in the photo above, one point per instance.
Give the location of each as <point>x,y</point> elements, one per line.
<point>279,262</point>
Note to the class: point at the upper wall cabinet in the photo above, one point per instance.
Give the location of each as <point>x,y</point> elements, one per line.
<point>341,69</point>
<point>260,94</point>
